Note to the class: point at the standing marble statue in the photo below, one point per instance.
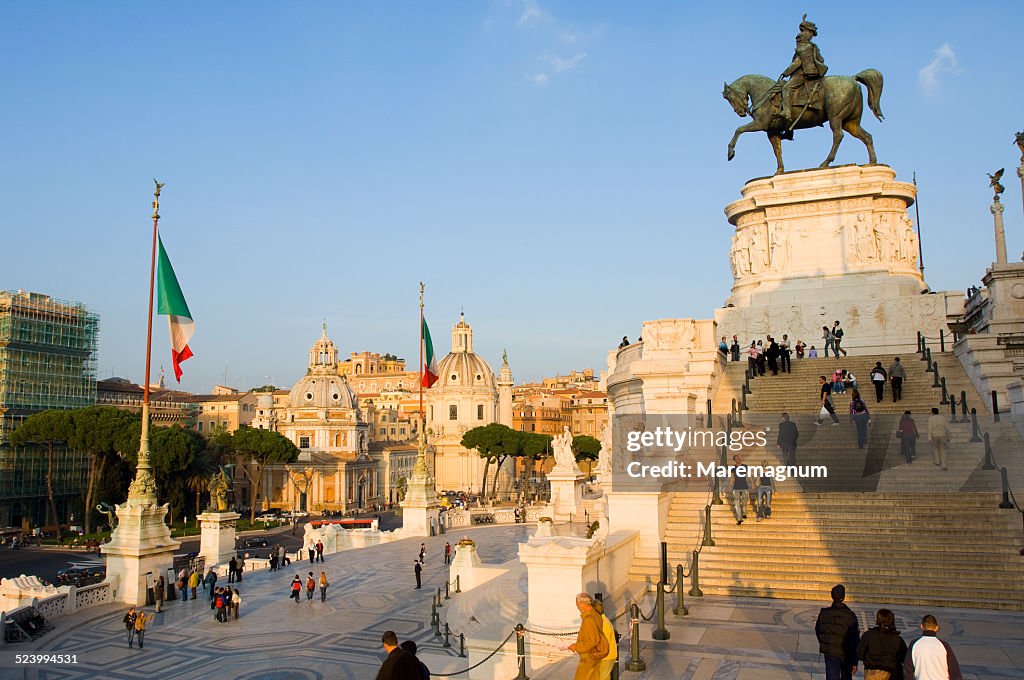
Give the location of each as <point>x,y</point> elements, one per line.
<point>565,459</point>
<point>218,486</point>
<point>604,456</point>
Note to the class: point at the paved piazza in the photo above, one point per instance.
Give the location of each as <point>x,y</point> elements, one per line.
<point>372,591</point>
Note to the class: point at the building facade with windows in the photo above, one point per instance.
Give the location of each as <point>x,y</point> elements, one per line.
<point>467,394</point>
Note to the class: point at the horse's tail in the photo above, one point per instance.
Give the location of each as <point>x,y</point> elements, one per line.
<point>872,79</point>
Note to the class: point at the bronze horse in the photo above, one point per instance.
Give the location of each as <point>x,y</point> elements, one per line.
<point>753,95</point>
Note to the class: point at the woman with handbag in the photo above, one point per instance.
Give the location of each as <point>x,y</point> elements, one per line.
<point>907,433</point>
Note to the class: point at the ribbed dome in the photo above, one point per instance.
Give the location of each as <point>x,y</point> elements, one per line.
<point>322,391</point>
<point>464,369</point>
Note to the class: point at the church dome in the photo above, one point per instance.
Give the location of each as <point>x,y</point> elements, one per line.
<point>463,367</point>
<point>322,387</point>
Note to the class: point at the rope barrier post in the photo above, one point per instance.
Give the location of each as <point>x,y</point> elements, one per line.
<point>952,409</point>
<point>942,340</point>
<point>928,355</point>
<point>462,645</point>
<point>975,430</point>
<point>664,562</point>
<point>457,578</point>
<point>716,498</point>
<point>935,382</point>
<point>447,632</point>
<point>990,463</point>
<point>963,407</point>
<point>695,590</point>
<point>439,605</point>
<point>732,413</point>
<point>521,652</point>
<point>743,404</point>
<point>635,663</point>
<point>680,608</point>
<point>924,349</point>
<point>708,541</point>
<point>945,393</point>
<point>1006,504</point>
<point>708,424</point>
<point>447,596</point>
<point>434,618</point>
<point>660,632</point>
<point>995,405</point>
<point>920,342</point>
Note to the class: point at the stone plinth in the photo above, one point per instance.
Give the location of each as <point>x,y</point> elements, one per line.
<point>468,568</point>
<point>217,540</point>
<point>140,550</point>
<point>560,567</point>
<point>566,493</point>
<point>814,246</point>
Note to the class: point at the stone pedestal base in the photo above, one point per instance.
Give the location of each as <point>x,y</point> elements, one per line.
<point>566,494</point>
<point>140,550</point>
<point>217,541</point>
<point>814,246</point>
<point>419,518</point>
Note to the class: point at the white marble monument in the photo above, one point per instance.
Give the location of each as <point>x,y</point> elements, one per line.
<point>217,537</point>
<point>566,479</point>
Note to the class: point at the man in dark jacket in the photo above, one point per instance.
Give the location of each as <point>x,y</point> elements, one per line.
<point>410,648</point>
<point>399,665</point>
<point>881,649</point>
<point>788,436</point>
<point>772,354</point>
<point>838,634</point>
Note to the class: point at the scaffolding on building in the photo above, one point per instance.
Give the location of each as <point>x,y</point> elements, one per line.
<point>48,356</point>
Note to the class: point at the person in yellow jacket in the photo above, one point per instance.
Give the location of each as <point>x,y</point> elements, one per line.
<point>604,670</point>
<point>193,583</point>
<point>140,627</point>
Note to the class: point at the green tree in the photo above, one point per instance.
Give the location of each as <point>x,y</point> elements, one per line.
<point>255,449</point>
<point>103,432</point>
<point>197,475</point>
<point>48,429</point>
<point>495,443</point>
<point>535,446</point>
<point>585,447</point>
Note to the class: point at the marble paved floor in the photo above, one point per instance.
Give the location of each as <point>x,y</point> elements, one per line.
<point>372,591</point>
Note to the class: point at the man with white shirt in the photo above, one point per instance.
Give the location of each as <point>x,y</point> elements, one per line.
<point>928,657</point>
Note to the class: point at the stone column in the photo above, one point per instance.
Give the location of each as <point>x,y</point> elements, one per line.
<point>997,216</point>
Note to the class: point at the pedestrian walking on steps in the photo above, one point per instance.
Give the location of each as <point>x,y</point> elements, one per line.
<point>938,434</point>
<point>827,409</point>
<point>830,341</point>
<point>878,379</point>
<point>897,374</point>
<point>787,439</point>
<point>837,332</point>
<point>860,416</point>
<point>785,354</point>
<point>740,492</point>
<point>908,434</point>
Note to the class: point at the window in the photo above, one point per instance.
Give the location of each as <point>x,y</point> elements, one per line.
<point>479,411</point>
<point>303,442</point>
<point>453,412</point>
<point>533,428</point>
<point>200,426</point>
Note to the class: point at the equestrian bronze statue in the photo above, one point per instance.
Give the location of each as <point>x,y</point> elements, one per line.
<point>808,99</point>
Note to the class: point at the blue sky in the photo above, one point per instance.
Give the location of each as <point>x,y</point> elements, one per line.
<point>557,169</point>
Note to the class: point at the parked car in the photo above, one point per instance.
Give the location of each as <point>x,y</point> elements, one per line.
<point>81,576</point>
<point>252,542</point>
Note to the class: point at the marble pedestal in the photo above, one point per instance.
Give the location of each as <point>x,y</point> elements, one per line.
<point>217,540</point>
<point>813,246</point>
<point>420,509</point>
<point>140,550</point>
<point>566,494</point>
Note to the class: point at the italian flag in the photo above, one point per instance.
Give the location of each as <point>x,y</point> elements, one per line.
<point>171,302</point>
<point>430,361</point>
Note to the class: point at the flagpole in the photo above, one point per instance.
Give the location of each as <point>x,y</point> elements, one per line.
<point>420,470</point>
<point>142,490</point>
